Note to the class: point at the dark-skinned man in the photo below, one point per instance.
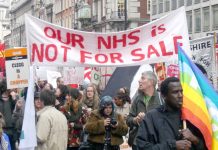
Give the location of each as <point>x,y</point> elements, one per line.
<point>161,128</point>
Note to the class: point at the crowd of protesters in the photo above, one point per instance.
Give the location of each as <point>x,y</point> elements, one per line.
<point>65,115</point>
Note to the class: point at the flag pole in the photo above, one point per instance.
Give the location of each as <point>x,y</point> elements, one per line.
<point>184,124</point>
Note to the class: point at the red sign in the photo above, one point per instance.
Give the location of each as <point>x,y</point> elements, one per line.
<point>173,71</point>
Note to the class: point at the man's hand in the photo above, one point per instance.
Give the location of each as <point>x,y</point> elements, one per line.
<point>183,145</point>
<point>187,134</point>
<point>139,118</point>
<point>19,104</point>
<point>107,122</point>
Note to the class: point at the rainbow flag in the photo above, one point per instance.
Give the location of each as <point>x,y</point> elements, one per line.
<point>200,100</point>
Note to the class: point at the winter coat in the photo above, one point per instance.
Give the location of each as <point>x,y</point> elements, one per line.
<point>138,106</point>
<point>160,131</point>
<point>52,129</point>
<point>96,129</point>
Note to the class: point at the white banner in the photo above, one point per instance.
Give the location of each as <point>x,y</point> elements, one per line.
<point>203,53</point>
<point>28,135</point>
<point>73,75</point>
<point>151,43</point>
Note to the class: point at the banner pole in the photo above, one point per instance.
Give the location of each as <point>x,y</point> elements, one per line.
<point>184,124</point>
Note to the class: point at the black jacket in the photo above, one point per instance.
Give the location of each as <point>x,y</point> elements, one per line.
<point>160,131</point>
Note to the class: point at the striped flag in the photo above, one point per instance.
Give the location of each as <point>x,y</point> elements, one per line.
<point>200,101</point>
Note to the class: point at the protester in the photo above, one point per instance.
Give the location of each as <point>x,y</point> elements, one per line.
<point>60,93</point>
<point>162,127</point>
<point>106,127</point>
<point>123,103</point>
<point>52,127</point>
<point>7,105</point>
<point>74,114</point>
<point>59,81</point>
<point>90,97</point>
<point>4,139</point>
<point>48,86</point>
<point>37,102</point>
<point>17,117</point>
<point>147,99</point>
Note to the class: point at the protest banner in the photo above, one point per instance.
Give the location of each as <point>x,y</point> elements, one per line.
<point>73,75</point>
<point>203,52</point>
<point>17,68</point>
<point>154,42</point>
<point>95,75</point>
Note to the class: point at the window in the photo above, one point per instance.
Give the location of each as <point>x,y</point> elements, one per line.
<point>154,7</point>
<point>148,6</point>
<point>181,3</point>
<point>189,3</point>
<point>160,6</point>
<point>206,19</point>
<point>189,21</point>
<point>121,8</point>
<point>167,5</point>
<point>197,14</point>
<point>197,1</point>
<point>215,17</point>
<point>174,4</point>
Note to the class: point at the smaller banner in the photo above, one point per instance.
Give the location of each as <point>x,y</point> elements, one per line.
<point>73,75</point>
<point>173,70</point>
<point>203,53</point>
<point>17,68</point>
<point>95,76</point>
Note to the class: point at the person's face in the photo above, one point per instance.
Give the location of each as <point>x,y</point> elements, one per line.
<point>38,104</point>
<point>108,110</point>
<point>174,95</point>
<point>47,87</point>
<point>144,83</point>
<point>61,81</point>
<point>118,101</point>
<point>90,93</point>
<point>57,92</point>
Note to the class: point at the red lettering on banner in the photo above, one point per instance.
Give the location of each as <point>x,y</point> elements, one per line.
<point>60,37</point>
<point>152,50</point>
<point>38,52</point>
<point>140,56</point>
<point>161,29</point>
<point>44,50</point>
<point>107,44</point>
<point>157,30</point>
<point>73,39</point>
<point>112,41</point>
<point>175,41</point>
<point>99,56</point>
<point>116,56</point>
<point>65,52</point>
<point>122,40</point>
<point>163,49</point>
<point>77,39</point>
<point>51,48</point>
<point>133,37</point>
<point>83,55</point>
<point>49,32</point>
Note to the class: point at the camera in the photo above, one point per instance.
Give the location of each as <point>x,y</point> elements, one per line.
<point>113,121</point>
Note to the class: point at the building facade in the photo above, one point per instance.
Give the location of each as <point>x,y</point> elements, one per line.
<point>202,15</point>
<point>110,15</point>
<point>4,19</point>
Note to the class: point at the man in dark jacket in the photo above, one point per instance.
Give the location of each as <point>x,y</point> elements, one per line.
<point>161,129</point>
<point>147,99</point>
<point>7,105</point>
